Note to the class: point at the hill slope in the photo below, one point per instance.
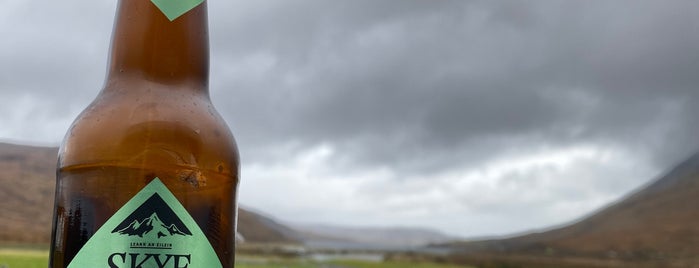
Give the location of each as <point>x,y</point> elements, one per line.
<point>659,222</point>
<point>26,195</point>
<point>263,229</point>
<point>27,176</point>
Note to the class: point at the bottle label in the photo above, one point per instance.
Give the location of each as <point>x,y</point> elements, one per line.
<point>152,230</point>
<point>173,9</point>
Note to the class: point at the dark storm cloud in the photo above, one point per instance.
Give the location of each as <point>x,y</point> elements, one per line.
<point>439,83</point>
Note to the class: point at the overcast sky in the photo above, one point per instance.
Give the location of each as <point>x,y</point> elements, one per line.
<point>475,118</point>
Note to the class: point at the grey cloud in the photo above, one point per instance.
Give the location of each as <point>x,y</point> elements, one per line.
<point>52,61</point>
<point>392,83</point>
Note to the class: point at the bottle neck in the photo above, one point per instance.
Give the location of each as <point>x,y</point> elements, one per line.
<point>146,45</point>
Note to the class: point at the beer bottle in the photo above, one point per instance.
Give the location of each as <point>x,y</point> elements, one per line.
<point>147,174</point>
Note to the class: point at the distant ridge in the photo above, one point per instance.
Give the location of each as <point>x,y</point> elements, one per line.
<point>345,237</point>
<point>657,223</point>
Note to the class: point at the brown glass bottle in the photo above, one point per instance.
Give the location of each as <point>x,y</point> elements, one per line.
<point>153,119</point>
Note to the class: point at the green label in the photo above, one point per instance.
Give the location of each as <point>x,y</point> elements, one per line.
<point>173,9</point>
<point>152,230</point>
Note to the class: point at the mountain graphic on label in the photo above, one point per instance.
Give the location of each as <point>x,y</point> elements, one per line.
<point>151,227</point>
<point>154,219</point>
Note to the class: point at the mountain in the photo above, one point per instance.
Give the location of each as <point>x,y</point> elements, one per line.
<point>328,236</point>
<point>26,192</point>
<point>658,223</point>
<point>259,228</point>
<point>151,227</point>
<point>173,230</point>
<point>27,179</point>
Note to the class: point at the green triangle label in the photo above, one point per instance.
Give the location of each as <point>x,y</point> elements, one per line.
<point>173,9</point>
<point>152,230</point>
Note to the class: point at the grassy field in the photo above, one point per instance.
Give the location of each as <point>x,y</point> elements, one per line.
<point>22,258</point>
<point>359,264</point>
<point>338,264</point>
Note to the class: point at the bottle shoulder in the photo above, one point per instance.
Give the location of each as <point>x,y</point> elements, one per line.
<point>150,127</point>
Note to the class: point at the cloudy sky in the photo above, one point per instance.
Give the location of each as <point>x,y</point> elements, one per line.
<point>476,118</point>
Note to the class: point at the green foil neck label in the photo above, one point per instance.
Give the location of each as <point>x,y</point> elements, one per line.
<point>173,9</point>
<point>152,230</point>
